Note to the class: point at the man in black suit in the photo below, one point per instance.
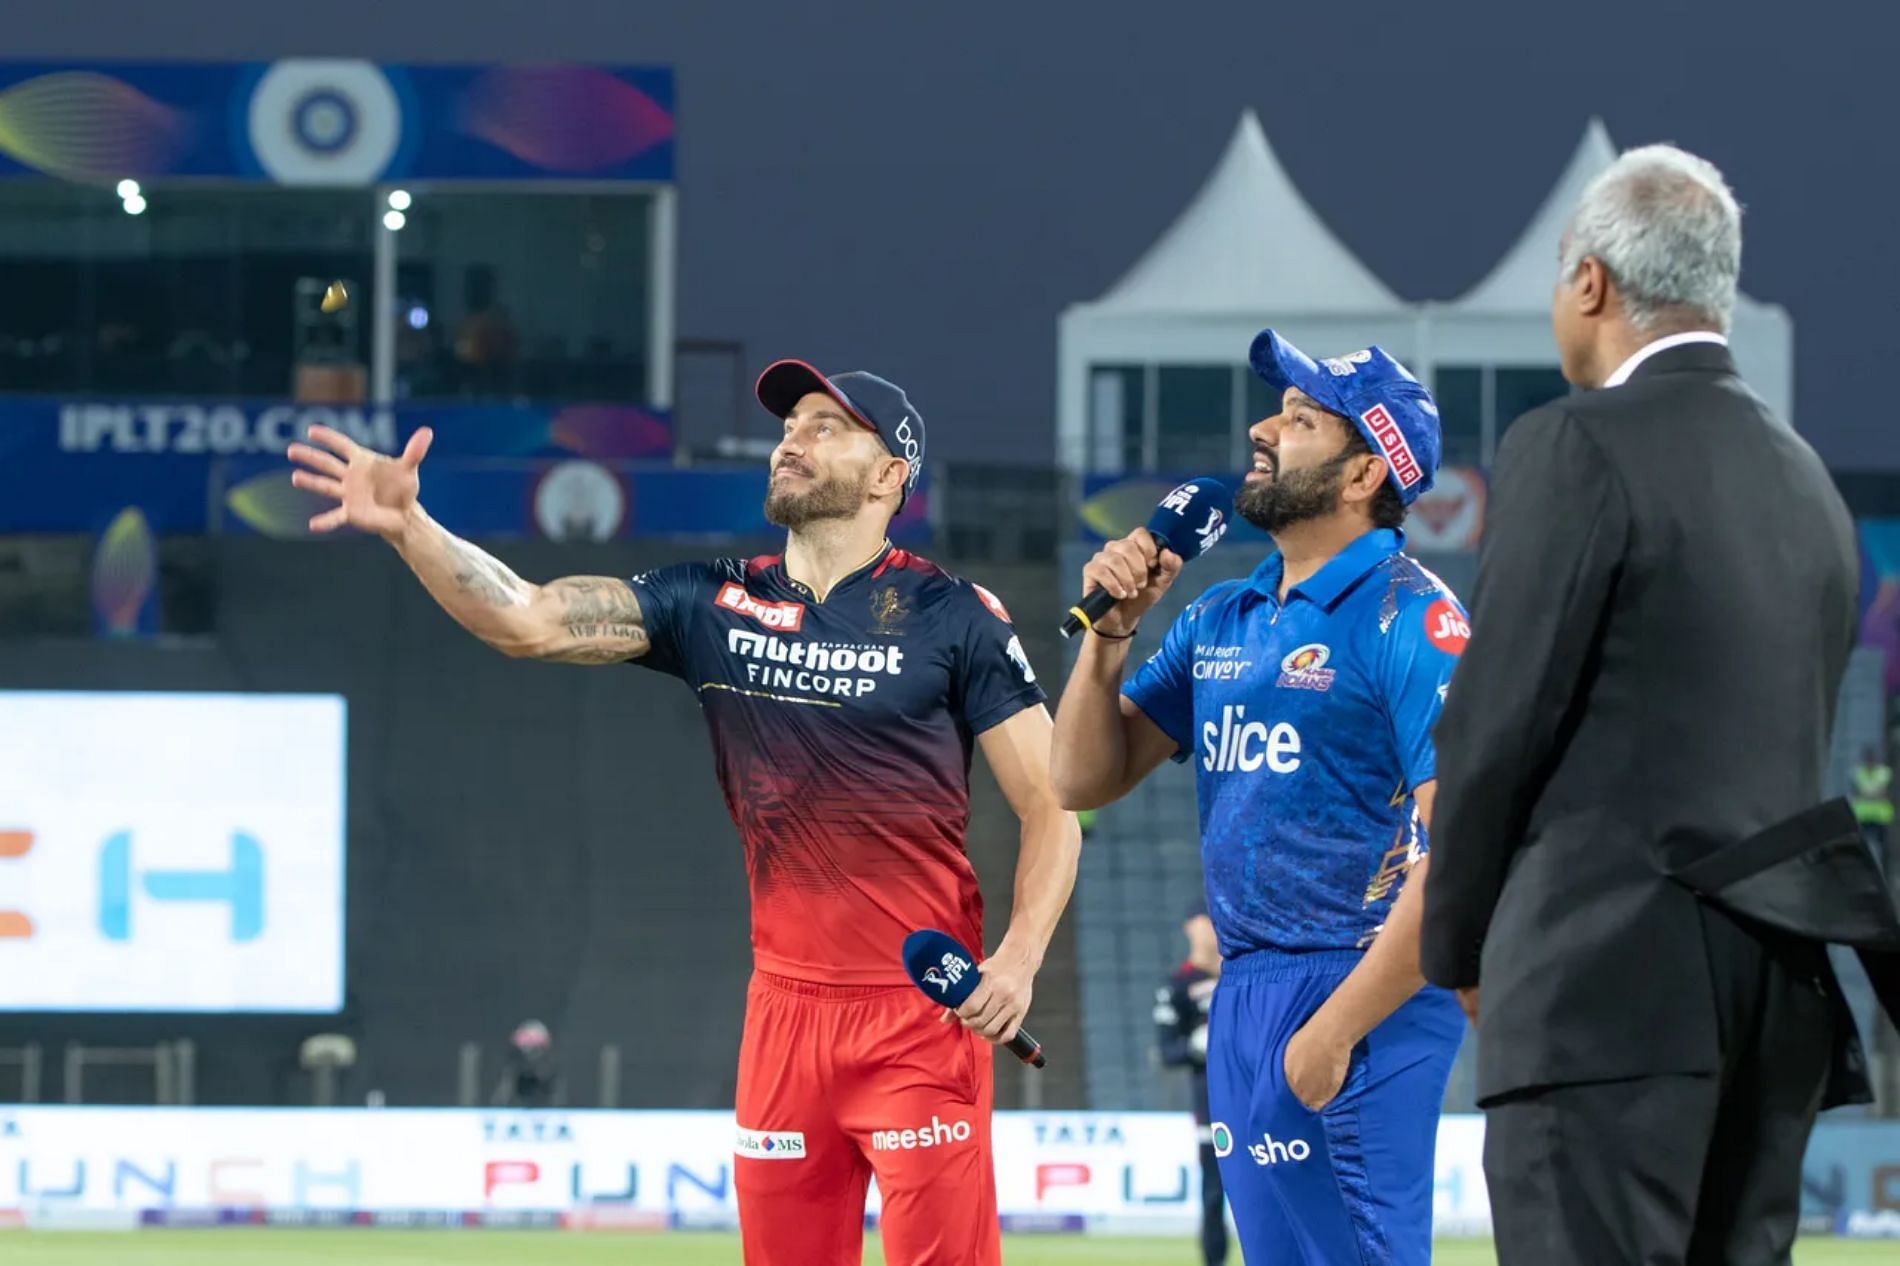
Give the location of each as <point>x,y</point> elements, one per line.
<point>1627,851</point>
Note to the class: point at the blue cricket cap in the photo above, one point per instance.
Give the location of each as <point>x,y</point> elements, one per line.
<point>877,402</point>
<point>1378,395</point>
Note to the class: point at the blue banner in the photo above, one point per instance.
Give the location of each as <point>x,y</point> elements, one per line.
<point>565,500</point>
<point>1850,1178</point>
<point>72,465</point>
<point>585,471</point>
<point>335,122</point>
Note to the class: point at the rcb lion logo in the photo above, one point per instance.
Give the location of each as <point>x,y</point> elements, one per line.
<point>888,610</point>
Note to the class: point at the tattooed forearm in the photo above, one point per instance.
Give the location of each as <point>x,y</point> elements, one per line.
<point>484,577</point>
<point>579,620</point>
<point>482,595</point>
<point>591,653</point>
<point>602,619</point>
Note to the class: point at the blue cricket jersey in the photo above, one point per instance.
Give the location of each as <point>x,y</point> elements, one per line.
<point>1310,726</point>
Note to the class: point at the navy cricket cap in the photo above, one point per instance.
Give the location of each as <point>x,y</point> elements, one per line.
<point>876,402</point>
<point>1378,395</point>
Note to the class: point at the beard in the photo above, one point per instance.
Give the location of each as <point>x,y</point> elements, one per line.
<point>838,497</point>
<point>1292,496</point>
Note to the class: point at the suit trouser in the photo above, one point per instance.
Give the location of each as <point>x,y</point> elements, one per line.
<point>1680,1169</point>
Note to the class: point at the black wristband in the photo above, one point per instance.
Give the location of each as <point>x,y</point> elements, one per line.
<point>1114,637</point>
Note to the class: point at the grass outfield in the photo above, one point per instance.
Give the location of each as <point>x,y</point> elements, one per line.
<point>554,1248</point>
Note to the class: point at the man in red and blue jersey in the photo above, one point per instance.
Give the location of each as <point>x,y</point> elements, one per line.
<point>846,683</point>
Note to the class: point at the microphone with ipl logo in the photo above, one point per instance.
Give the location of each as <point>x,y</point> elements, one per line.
<point>1188,521</point>
<point>946,972</point>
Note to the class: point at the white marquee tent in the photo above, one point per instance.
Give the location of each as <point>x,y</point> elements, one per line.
<point>1504,319</point>
<point>1249,251</point>
<point>1246,253</point>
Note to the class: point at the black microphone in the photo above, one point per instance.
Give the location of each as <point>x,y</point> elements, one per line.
<point>946,972</point>
<point>1188,521</point>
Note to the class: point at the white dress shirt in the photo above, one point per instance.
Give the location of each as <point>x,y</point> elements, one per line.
<point>1628,367</point>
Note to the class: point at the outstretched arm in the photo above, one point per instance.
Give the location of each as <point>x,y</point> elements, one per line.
<point>577,620</point>
<point>574,620</point>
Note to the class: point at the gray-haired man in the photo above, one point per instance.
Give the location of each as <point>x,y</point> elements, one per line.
<point>1627,851</point>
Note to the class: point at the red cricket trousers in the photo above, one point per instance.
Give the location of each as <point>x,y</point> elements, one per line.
<point>837,1083</point>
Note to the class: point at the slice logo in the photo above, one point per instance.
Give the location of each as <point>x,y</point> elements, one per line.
<point>1447,627</point>
<point>1305,668</point>
<point>770,1144</point>
<point>786,617</point>
<point>1239,744</point>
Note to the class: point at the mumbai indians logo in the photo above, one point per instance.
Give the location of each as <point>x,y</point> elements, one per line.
<point>1305,668</point>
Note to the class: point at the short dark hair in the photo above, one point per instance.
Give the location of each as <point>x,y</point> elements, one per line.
<point>1387,510</point>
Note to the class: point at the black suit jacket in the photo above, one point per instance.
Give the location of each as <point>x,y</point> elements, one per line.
<point>1664,609</point>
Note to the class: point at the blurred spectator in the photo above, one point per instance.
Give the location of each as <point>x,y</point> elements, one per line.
<point>532,1078</point>
<point>1181,1028</point>
<point>1873,800</point>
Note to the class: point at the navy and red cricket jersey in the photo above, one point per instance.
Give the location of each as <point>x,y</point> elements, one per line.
<point>842,726</point>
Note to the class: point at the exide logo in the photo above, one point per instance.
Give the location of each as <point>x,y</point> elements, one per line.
<point>784,616</point>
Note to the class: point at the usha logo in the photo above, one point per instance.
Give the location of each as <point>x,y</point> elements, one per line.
<point>1391,440</point>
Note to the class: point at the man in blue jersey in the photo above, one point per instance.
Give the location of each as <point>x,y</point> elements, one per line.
<point>1305,694</point>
